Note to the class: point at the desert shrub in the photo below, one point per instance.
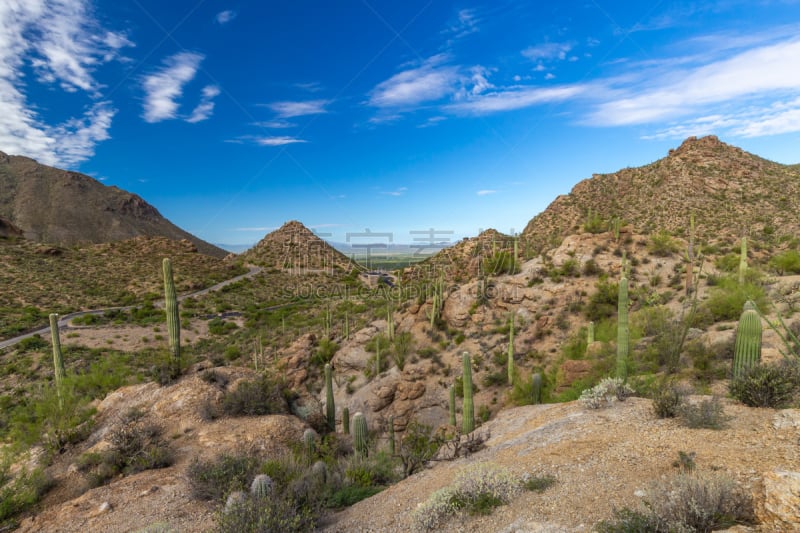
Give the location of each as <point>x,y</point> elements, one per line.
<point>603,302</point>
<point>668,399</point>
<point>708,414</point>
<point>417,446</point>
<point>765,385</point>
<point>476,490</point>
<point>217,326</point>
<point>522,391</point>
<point>727,299</point>
<point>263,396</point>
<point>591,268</point>
<point>662,245</point>
<point>787,262</point>
<point>135,445</point>
<point>491,379</point>
<point>216,478</point>
<point>727,263</point>
<point>34,342</point>
<point>378,469</point>
<point>324,352</point>
<point>538,483</point>
<point>403,345</point>
<point>685,503</point>
<point>605,393</point>
<point>18,491</point>
<point>277,513</point>
<point>501,262</point>
<point>347,496</point>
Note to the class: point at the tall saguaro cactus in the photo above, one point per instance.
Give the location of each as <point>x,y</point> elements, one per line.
<point>452,405</point>
<point>690,257</point>
<point>346,421</point>
<point>511,351</point>
<point>330,407</point>
<point>536,388</point>
<point>173,318</point>
<point>58,357</point>
<point>590,333</point>
<point>360,434</point>
<point>747,351</point>
<point>743,260</point>
<point>468,410</point>
<point>391,435</point>
<point>623,333</point>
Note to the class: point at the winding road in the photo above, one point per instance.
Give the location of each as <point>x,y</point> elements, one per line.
<point>64,320</point>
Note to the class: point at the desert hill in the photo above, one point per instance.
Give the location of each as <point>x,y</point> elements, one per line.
<point>730,191</point>
<point>62,207</point>
<point>295,247</point>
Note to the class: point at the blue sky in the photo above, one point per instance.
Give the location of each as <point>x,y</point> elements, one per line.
<point>234,117</point>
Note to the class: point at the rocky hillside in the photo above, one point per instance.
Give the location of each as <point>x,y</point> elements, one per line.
<point>730,191</point>
<point>295,247</point>
<point>61,207</point>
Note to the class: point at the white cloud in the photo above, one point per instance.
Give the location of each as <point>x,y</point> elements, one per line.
<point>514,98</point>
<point>206,105</point>
<point>275,124</point>
<point>400,191</point>
<point>165,86</point>
<point>64,45</point>
<point>548,51</point>
<point>429,82</point>
<point>223,17</point>
<point>278,140</point>
<point>298,109</point>
<point>485,192</point>
<point>465,24</point>
<point>744,79</point>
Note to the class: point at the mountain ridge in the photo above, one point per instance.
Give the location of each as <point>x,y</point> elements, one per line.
<point>65,207</point>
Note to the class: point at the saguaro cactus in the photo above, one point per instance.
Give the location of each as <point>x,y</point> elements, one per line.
<point>623,334</point>
<point>743,261</point>
<point>262,486</point>
<point>468,414</point>
<point>590,334</point>
<point>346,421</point>
<point>391,434</point>
<point>58,357</point>
<point>173,318</point>
<point>511,351</point>
<point>330,407</point>
<point>536,388</point>
<point>747,351</point>
<point>360,434</point>
<point>310,444</point>
<point>690,258</point>
<point>452,405</point>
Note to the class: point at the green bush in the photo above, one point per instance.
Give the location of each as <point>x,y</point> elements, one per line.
<point>35,342</point>
<point>708,414</point>
<point>669,399</point>
<point>767,385</point>
<point>686,503</point>
<point>417,446</point>
<point>18,491</point>
<point>538,483</point>
<point>277,513</point>
<point>727,299</point>
<point>603,302</point>
<point>347,496</point>
<point>662,245</point>
<point>787,262</point>
<point>264,396</point>
<point>216,478</point>
<point>501,262</point>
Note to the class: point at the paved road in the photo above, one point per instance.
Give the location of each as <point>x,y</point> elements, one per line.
<point>64,320</point>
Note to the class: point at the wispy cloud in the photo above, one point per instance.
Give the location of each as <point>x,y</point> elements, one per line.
<point>206,106</point>
<point>400,191</point>
<point>164,87</point>
<point>753,92</point>
<point>290,109</point>
<point>486,192</point>
<point>274,124</point>
<point>430,81</point>
<point>223,17</point>
<point>548,51</point>
<point>465,23</point>
<point>278,140</point>
<point>65,45</point>
<point>514,98</point>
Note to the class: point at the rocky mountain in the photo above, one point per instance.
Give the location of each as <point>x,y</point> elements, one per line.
<point>730,191</point>
<point>63,207</point>
<point>294,246</point>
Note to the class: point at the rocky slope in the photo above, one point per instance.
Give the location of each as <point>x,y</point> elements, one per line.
<point>294,247</point>
<point>61,207</point>
<point>730,191</point>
